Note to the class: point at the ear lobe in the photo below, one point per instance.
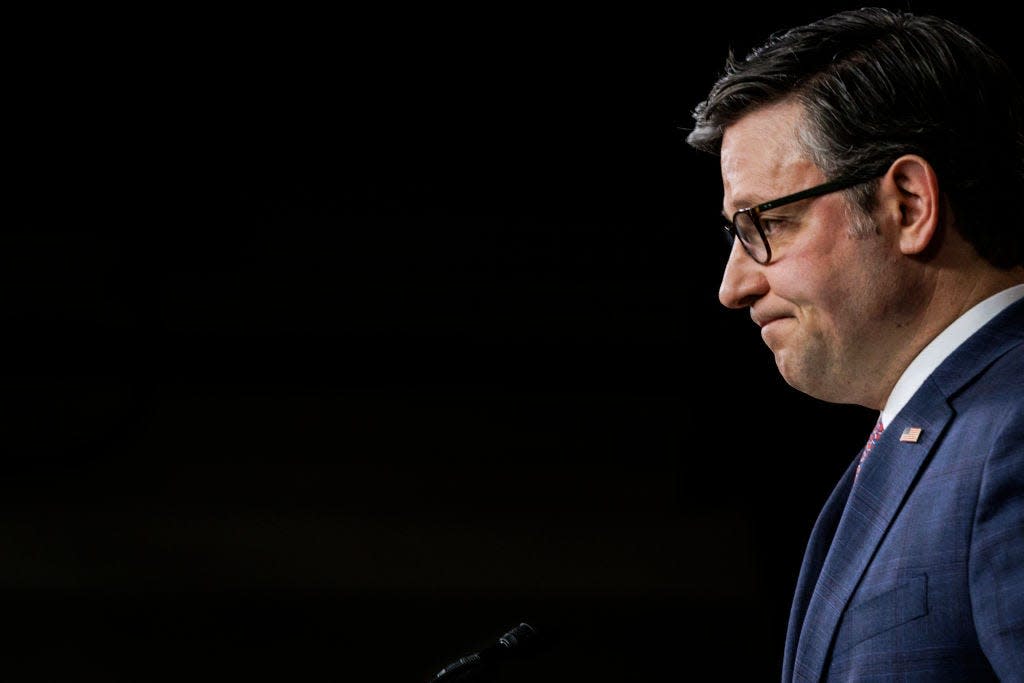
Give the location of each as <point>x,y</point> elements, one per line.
<point>914,201</point>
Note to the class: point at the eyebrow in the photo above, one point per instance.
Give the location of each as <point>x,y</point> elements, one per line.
<point>745,204</point>
<point>750,203</point>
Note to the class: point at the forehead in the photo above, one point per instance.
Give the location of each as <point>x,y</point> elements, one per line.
<point>762,157</point>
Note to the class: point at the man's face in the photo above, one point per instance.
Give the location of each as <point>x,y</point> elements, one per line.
<point>816,300</point>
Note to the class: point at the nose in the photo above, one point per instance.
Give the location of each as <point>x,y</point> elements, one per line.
<point>743,281</point>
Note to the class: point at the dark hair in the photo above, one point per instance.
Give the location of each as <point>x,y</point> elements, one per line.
<point>876,84</point>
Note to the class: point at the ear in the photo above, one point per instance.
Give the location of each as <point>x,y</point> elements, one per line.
<point>910,196</point>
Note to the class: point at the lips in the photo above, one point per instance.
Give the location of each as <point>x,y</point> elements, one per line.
<point>763,321</point>
<point>768,326</point>
<point>766,322</point>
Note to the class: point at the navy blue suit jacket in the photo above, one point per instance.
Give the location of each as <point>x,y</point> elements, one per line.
<point>915,572</point>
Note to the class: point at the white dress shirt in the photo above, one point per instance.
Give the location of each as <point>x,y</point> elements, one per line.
<point>944,344</point>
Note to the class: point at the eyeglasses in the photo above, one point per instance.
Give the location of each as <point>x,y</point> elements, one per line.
<point>746,223</point>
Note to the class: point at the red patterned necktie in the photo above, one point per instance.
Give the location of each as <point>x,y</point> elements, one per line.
<point>872,440</point>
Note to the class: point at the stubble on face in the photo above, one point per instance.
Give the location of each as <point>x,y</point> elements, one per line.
<point>817,299</point>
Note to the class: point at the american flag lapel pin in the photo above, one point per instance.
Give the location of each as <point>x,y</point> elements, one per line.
<point>910,435</point>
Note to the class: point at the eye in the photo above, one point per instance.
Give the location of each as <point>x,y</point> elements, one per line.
<point>771,225</point>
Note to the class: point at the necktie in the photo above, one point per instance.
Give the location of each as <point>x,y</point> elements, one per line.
<point>872,440</point>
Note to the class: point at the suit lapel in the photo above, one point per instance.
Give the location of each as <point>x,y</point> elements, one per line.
<point>814,556</point>
<point>874,500</point>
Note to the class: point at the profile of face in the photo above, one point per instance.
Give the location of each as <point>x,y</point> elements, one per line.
<point>825,301</point>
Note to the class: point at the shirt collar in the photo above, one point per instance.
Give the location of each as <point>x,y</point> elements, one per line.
<point>944,344</point>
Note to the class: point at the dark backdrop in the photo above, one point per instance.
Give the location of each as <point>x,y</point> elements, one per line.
<point>338,344</point>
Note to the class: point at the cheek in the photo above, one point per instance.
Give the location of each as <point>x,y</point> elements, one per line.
<point>827,292</point>
<point>810,281</point>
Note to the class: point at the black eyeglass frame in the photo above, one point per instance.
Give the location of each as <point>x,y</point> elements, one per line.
<point>754,212</point>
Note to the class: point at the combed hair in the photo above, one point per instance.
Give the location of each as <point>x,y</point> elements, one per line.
<point>876,84</point>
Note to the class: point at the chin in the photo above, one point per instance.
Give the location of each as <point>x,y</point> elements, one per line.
<point>796,384</point>
<point>796,379</point>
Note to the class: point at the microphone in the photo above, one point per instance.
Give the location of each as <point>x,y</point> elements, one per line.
<point>508,645</point>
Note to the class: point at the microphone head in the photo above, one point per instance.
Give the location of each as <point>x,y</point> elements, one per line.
<point>517,637</point>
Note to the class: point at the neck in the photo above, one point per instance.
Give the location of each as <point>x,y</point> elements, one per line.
<point>940,297</point>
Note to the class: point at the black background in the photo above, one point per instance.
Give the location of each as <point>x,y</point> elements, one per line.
<point>340,343</point>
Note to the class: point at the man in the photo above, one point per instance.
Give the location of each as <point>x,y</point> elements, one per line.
<point>873,171</point>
